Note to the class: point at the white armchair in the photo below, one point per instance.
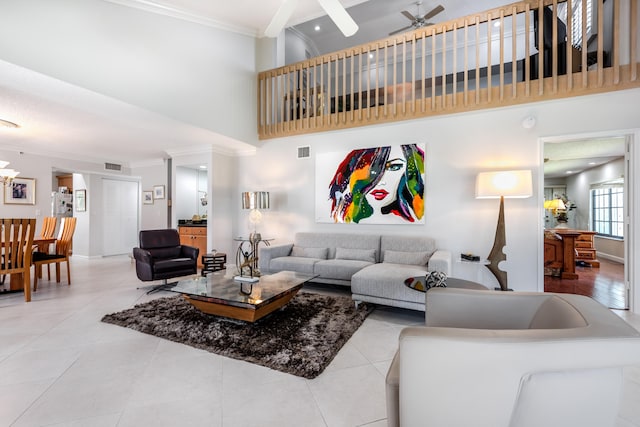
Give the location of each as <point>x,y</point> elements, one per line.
<point>514,359</point>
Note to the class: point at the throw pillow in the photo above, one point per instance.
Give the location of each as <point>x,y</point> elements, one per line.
<point>435,279</point>
<point>402,257</point>
<point>356,254</point>
<point>299,251</point>
<point>320,253</point>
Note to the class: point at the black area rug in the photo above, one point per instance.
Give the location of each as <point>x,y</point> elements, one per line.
<point>301,339</point>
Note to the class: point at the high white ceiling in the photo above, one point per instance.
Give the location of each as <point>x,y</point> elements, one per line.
<point>63,120</point>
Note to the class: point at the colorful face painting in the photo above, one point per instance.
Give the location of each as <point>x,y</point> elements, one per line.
<point>382,185</point>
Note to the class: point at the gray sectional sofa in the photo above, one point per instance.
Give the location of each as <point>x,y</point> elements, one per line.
<point>375,266</point>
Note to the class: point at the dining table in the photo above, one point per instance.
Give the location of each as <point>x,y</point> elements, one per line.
<point>16,280</point>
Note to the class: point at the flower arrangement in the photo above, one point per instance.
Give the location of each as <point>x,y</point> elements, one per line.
<point>569,206</point>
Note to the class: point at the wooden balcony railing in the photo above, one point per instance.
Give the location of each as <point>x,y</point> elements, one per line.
<point>528,51</point>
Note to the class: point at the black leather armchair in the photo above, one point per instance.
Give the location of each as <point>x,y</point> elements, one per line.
<point>161,257</point>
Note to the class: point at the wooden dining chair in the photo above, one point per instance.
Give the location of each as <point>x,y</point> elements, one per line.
<point>47,231</point>
<point>16,250</point>
<point>60,255</point>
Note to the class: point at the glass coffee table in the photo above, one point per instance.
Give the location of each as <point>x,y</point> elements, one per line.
<point>224,296</point>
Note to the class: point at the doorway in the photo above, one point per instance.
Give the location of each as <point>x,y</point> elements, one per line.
<point>120,207</point>
<point>586,176</point>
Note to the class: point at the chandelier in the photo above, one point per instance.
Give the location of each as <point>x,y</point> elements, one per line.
<point>6,175</point>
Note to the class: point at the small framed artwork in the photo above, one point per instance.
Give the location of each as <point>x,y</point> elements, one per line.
<point>81,200</point>
<point>147,197</point>
<point>22,191</point>
<point>158,191</point>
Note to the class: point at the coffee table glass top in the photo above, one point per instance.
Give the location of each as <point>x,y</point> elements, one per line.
<point>224,290</point>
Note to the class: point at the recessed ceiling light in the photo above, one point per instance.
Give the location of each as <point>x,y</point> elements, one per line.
<point>8,124</point>
<point>203,166</point>
<point>317,28</point>
<point>568,172</point>
<point>592,163</point>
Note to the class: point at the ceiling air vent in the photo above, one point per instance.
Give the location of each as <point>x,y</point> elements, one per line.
<point>113,167</point>
<point>304,152</point>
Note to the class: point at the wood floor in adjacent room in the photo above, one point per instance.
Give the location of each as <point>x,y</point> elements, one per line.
<point>604,284</point>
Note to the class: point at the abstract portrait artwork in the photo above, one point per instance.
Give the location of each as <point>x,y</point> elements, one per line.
<point>380,185</point>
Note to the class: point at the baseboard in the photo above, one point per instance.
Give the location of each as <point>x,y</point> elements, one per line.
<point>608,257</point>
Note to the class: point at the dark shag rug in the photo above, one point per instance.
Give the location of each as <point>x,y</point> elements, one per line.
<point>301,338</point>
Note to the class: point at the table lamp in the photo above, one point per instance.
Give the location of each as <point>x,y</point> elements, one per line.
<point>255,200</point>
<point>514,184</point>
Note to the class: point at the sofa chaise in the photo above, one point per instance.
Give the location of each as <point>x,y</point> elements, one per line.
<point>375,266</point>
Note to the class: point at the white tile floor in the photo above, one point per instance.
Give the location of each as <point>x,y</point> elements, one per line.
<point>61,366</point>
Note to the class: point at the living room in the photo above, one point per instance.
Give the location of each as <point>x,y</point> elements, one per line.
<point>58,43</point>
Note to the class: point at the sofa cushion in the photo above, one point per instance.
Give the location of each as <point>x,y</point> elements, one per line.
<point>403,257</point>
<point>319,253</point>
<point>292,263</point>
<point>337,240</point>
<point>368,255</point>
<point>339,269</point>
<point>386,280</point>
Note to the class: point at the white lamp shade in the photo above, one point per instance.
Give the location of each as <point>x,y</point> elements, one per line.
<point>554,204</point>
<point>508,184</point>
<point>255,200</point>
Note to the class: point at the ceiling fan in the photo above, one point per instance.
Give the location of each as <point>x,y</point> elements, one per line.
<point>419,21</point>
<point>334,9</point>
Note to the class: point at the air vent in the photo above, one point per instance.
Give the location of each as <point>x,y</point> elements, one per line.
<point>304,152</point>
<point>112,167</point>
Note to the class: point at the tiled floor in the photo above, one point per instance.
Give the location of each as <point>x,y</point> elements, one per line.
<point>61,366</point>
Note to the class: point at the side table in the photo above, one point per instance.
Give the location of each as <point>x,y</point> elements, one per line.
<point>213,262</point>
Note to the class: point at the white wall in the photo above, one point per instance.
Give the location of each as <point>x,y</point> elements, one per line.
<point>457,148</point>
<point>190,72</point>
<point>578,187</point>
<point>153,216</point>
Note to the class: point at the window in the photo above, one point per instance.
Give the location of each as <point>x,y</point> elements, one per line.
<point>576,20</point>
<point>607,211</point>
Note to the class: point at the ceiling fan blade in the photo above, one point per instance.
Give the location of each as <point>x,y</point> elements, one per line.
<point>434,12</point>
<point>401,30</point>
<point>408,15</point>
<point>281,17</point>
<point>339,16</point>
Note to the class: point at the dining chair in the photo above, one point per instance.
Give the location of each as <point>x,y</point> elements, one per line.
<point>16,250</point>
<point>60,255</point>
<point>47,231</point>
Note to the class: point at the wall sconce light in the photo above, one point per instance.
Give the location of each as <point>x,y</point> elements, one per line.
<point>6,175</point>
<point>255,200</point>
<point>492,185</point>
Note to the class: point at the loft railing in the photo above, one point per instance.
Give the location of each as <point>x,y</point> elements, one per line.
<point>528,51</point>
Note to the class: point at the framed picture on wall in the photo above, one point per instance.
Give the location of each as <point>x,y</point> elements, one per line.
<point>158,191</point>
<point>22,191</point>
<point>81,200</point>
<point>147,197</point>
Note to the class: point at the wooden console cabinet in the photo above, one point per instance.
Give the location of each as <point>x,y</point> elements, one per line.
<point>585,248</point>
<point>559,252</point>
<point>196,237</point>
